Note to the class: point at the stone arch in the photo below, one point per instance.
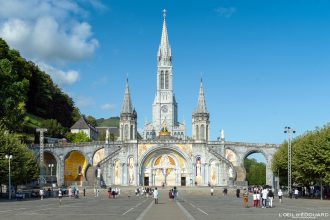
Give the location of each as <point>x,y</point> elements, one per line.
<point>197,132</point>
<point>254,150</point>
<point>75,165</point>
<point>163,150</point>
<point>51,159</point>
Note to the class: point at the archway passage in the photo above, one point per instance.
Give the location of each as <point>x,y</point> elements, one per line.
<point>74,168</point>
<point>255,166</point>
<point>50,167</point>
<point>91,170</point>
<point>164,167</point>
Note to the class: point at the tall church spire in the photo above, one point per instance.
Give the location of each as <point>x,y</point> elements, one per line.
<point>164,51</point>
<point>201,105</point>
<point>127,104</point>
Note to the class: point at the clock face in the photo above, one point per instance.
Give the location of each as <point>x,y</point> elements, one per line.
<point>164,108</point>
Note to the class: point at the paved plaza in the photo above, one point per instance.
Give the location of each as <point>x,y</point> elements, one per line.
<point>193,203</point>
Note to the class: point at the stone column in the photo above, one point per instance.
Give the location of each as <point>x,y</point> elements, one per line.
<point>112,171</point>
<point>203,173</point>
<point>193,174</point>
<point>269,173</point>
<point>60,171</point>
<point>137,176</point>
<point>123,174</point>
<point>207,172</point>
<point>219,174</point>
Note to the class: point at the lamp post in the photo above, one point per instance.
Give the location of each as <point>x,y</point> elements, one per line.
<point>9,157</point>
<point>51,165</point>
<point>289,131</point>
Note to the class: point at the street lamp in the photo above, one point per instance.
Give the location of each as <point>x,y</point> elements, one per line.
<point>9,157</point>
<point>51,165</point>
<point>289,131</point>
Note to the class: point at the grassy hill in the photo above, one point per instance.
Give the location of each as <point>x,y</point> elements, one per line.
<point>110,122</point>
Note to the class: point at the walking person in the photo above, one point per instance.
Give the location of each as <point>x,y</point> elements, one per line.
<point>109,192</point>
<point>246,199</point>
<point>255,201</point>
<point>156,195</point>
<point>70,192</point>
<point>238,191</point>
<point>225,191</point>
<point>280,194</point>
<point>264,194</point>
<point>60,196</point>
<point>258,198</point>
<point>296,193</point>
<point>41,193</point>
<point>212,191</point>
<point>270,198</point>
<point>175,193</point>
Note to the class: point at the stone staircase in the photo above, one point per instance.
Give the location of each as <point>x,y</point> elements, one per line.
<point>112,154</point>
<point>219,156</point>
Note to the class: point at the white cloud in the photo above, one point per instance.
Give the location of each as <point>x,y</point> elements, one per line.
<point>226,12</point>
<point>50,31</point>
<point>83,102</point>
<point>108,106</point>
<point>60,77</point>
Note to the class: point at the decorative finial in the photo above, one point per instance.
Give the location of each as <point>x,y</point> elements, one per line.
<point>164,13</point>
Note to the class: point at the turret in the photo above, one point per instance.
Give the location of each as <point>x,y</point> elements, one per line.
<point>200,118</point>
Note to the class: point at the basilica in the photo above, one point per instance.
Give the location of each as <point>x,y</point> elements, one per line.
<point>165,156</point>
<point>162,155</point>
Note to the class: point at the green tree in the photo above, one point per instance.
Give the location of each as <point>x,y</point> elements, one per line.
<point>24,166</point>
<point>78,137</point>
<point>91,120</point>
<point>255,172</point>
<point>310,157</point>
<point>54,129</point>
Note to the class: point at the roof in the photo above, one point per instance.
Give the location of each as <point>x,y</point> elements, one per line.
<point>82,124</point>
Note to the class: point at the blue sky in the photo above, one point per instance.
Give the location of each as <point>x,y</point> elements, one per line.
<point>265,64</point>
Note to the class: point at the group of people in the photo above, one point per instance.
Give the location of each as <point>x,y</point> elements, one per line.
<point>113,192</point>
<point>266,196</point>
<point>173,193</point>
<point>146,191</point>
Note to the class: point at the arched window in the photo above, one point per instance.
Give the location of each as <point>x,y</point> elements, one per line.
<point>197,132</point>
<point>207,132</point>
<point>162,78</point>
<point>126,132</point>
<point>166,80</point>
<point>131,133</point>
<point>202,132</point>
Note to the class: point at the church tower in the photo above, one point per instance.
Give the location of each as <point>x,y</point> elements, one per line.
<point>200,118</point>
<point>165,107</point>
<point>128,118</point>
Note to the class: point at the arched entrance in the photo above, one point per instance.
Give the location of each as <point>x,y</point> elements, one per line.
<point>75,165</point>
<point>50,167</point>
<point>255,166</point>
<point>166,166</point>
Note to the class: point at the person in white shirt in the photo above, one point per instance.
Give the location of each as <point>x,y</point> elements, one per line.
<point>264,194</point>
<point>255,201</point>
<point>41,193</point>
<point>156,195</point>
<point>258,198</point>
<point>280,194</point>
<point>212,191</point>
